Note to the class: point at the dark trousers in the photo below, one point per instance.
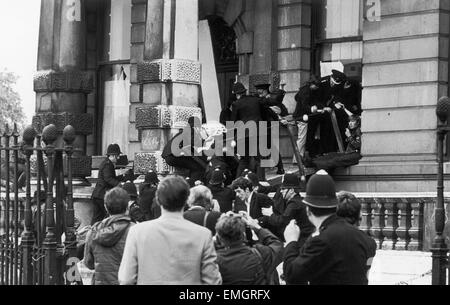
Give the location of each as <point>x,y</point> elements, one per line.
<point>196,169</point>
<point>99,210</point>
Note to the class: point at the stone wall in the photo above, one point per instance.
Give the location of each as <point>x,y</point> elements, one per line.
<point>405,71</point>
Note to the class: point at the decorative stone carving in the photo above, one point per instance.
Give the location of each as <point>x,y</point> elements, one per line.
<point>165,116</point>
<point>81,165</point>
<point>63,81</point>
<point>390,224</point>
<point>145,161</point>
<point>404,224</point>
<point>169,70</point>
<point>272,78</point>
<point>82,123</point>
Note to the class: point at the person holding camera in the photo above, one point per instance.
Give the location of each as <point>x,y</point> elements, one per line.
<point>240,264</point>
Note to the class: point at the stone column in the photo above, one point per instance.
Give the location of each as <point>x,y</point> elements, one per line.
<point>404,224</point>
<point>391,224</point>
<point>62,82</point>
<point>168,75</point>
<point>366,215</point>
<point>378,222</point>
<point>416,229</point>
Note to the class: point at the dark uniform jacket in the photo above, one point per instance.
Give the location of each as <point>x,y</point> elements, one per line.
<point>107,179</point>
<point>246,109</point>
<point>286,210</point>
<point>340,255</point>
<point>306,98</point>
<point>240,265</point>
<point>224,196</point>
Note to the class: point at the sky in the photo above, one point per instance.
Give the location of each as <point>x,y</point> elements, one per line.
<point>19,35</point>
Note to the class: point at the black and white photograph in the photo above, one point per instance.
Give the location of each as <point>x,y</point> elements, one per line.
<point>247,145</point>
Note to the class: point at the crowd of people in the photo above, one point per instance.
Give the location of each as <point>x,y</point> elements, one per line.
<point>326,120</point>
<point>180,231</point>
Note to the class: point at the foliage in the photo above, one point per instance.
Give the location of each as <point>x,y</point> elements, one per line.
<point>11,110</point>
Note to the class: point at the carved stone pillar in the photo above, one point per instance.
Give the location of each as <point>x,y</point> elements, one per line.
<point>366,216</point>
<point>62,82</point>
<point>169,77</point>
<point>378,222</point>
<point>404,224</point>
<point>391,224</point>
<point>416,229</point>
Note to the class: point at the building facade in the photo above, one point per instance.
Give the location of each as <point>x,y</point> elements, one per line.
<point>133,71</point>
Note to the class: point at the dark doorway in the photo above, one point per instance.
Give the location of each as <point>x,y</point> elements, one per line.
<point>226,60</point>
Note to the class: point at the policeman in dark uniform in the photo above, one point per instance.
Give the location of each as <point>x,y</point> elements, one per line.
<point>107,180</point>
<point>333,96</point>
<point>246,108</point>
<point>309,99</point>
<point>272,110</point>
<point>337,253</point>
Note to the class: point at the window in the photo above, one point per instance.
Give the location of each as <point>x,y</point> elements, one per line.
<point>337,29</point>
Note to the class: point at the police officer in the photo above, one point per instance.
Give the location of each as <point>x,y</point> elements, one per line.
<point>246,109</point>
<point>333,90</point>
<point>337,253</point>
<point>107,180</point>
<point>309,100</point>
<point>273,109</point>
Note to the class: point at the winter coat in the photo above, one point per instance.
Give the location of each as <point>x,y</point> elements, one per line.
<point>104,248</point>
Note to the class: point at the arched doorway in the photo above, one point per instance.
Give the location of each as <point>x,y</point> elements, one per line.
<point>226,60</point>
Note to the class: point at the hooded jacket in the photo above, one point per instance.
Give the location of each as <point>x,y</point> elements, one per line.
<point>104,248</point>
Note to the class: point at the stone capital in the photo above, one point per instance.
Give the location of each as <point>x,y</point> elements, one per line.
<point>169,70</point>
<point>165,116</point>
<point>63,81</point>
<point>146,161</point>
<point>83,123</point>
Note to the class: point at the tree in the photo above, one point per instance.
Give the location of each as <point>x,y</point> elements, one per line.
<point>11,110</point>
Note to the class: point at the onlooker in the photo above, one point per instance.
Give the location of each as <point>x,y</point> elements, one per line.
<point>170,249</point>
<point>135,212</point>
<point>240,264</point>
<point>200,210</point>
<point>353,133</point>
<point>222,194</point>
<point>349,208</point>
<point>249,200</point>
<point>106,240</point>
<point>288,205</point>
<point>147,193</point>
<point>337,253</point>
